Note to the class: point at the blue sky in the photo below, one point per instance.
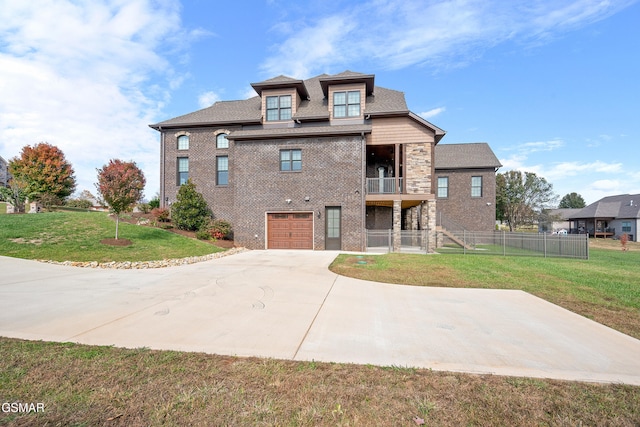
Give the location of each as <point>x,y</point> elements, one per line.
<point>552,86</point>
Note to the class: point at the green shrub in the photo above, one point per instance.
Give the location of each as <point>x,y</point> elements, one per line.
<point>78,203</point>
<point>203,234</point>
<point>144,208</point>
<point>190,211</point>
<point>154,203</point>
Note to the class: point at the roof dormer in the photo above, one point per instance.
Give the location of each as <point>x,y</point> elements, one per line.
<point>347,93</point>
<point>280,98</point>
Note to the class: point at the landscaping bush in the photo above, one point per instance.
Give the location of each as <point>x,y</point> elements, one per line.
<point>160,214</point>
<point>219,229</point>
<point>190,211</point>
<point>154,203</point>
<point>78,203</point>
<point>203,234</point>
<point>145,208</point>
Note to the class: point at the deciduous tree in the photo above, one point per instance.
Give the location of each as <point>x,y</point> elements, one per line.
<point>44,170</point>
<point>520,197</point>
<point>572,201</point>
<point>121,186</point>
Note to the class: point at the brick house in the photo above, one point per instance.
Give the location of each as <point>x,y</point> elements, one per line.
<point>307,164</point>
<point>466,186</point>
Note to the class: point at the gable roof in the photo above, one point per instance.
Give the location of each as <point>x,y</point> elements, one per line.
<point>620,206</point>
<point>379,102</point>
<point>476,155</point>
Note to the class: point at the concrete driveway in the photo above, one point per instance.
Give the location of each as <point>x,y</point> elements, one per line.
<point>287,304</point>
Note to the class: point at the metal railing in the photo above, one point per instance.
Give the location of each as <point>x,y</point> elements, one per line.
<point>518,244</point>
<point>383,185</point>
<point>482,243</point>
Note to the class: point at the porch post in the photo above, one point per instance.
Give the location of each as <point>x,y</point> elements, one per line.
<point>397,225</point>
<point>396,171</point>
<point>428,223</point>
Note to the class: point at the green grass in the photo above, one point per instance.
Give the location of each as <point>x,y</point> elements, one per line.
<point>106,386</point>
<point>605,288</point>
<point>3,208</point>
<point>76,236</point>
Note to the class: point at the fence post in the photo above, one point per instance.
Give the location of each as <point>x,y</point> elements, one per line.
<point>504,243</point>
<point>545,244</point>
<point>464,242</point>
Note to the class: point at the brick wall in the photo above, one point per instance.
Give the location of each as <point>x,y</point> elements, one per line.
<point>331,175</point>
<point>202,155</point>
<point>473,213</point>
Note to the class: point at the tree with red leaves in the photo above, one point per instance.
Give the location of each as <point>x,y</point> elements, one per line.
<point>44,171</point>
<point>121,185</point>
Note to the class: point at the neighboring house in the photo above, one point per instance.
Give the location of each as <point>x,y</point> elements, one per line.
<point>609,217</point>
<point>4,172</point>
<point>556,220</point>
<point>465,186</point>
<point>308,164</point>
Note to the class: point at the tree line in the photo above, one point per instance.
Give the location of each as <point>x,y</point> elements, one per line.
<point>522,198</point>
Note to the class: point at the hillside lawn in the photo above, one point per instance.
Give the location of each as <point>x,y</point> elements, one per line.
<point>83,385</point>
<point>76,236</point>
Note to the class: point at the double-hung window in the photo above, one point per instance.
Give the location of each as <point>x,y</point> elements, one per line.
<point>443,186</point>
<point>183,170</point>
<point>346,104</point>
<point>222,170</point>
<point>290,160</point>
<point>626,226</point>
<point>278,108</point>
<point>476,186</point>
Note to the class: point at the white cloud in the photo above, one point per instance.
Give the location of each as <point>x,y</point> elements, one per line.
<point>207,99</point>
<point>431,113</point>
<point>80,75</point>
<point>400,33</point>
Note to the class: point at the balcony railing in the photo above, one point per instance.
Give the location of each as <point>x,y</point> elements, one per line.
<point>383,185</point>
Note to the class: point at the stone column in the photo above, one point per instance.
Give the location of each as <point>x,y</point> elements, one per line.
<point>428,221</point>
<point>397,225</point>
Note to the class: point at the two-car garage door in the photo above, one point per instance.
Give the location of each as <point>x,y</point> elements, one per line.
<point>290,230</point>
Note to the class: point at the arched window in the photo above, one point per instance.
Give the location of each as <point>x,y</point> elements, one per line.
<point>222,141</point>
<point>183,142</point>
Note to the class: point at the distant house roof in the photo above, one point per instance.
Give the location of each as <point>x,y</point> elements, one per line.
<point>476,155</point>
<point>621,206</point>
<point>563,214</point>
<point>379,102</point>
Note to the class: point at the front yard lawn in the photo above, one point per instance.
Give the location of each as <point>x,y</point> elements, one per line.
<point>76,236</point>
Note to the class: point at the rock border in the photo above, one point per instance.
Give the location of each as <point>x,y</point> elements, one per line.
<point>143,265</point>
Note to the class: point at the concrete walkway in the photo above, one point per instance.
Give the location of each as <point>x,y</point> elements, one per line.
<point>287,304</point>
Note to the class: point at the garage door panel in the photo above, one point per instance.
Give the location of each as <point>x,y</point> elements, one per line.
<point>290,231</point>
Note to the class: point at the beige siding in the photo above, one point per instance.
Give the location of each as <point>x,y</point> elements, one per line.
<point>399,130</point>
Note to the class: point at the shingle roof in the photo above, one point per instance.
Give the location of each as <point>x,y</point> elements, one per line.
<point>382,101</point>
<point>620,206</point>
<point>465,156</point>
<point>299,131</point>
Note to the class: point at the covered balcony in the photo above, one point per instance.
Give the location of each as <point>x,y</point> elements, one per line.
<point>384,169</point>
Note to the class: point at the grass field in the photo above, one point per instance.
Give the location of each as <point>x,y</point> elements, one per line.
<point>79,385</point>
<point>76,236</point>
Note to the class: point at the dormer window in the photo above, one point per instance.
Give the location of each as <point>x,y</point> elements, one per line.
<point>278,108</point>
<point>346,104</point>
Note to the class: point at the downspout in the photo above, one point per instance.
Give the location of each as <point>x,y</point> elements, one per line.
<point>162,166</point>
<point>363,191</point>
